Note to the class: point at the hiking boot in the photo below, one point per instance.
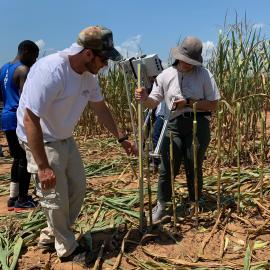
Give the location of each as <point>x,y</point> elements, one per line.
<point>46,246</point>
<point>158,213</point>
<point>24,205</point>
<point>11,203</point>
<point>80,256</point>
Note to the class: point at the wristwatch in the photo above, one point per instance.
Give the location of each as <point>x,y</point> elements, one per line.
<point>122,139</point>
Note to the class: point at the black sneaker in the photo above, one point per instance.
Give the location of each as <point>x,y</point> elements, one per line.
<point>24,205</point>
<point>11,203</point>
<point>30,198</point>
<point>79,256</point>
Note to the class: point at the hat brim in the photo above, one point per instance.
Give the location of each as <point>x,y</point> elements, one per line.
<point>112,54</point>
<point>179,56</point>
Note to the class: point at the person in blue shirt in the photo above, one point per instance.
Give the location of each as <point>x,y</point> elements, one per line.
<point>12,77</point>
<point>1,107</point>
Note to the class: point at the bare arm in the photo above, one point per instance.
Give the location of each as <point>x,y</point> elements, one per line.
<point>35,138</point>
<point>141,95</point>
<point>20,76</point>
<point>150,103</point>
<point>105,117</point>
<point>36,144</point>
<point>204,105</point>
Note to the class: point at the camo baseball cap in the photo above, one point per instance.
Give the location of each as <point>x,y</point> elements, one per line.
<point>99,38</point>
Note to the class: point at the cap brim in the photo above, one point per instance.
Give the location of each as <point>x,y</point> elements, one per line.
<point>177,55</point>
<point>113,55</point>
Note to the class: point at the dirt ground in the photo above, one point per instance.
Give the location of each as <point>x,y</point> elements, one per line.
<point>216,242</point>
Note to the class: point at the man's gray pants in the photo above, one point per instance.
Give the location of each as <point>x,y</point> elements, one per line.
<point>63,205</point>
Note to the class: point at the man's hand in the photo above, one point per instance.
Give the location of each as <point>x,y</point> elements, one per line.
<point>141,94</point>
<point>130,149</point>
<point>47,178</point>
<point>180,103</point>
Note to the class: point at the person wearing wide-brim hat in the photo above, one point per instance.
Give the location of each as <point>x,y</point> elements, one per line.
<point>186,81</point>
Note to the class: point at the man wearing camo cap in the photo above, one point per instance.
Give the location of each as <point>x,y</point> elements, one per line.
<point>57,89</point>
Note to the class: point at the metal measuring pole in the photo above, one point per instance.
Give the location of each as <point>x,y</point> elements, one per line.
<point>156,153</point>
<point>140,148</point>
<point>147,118</point>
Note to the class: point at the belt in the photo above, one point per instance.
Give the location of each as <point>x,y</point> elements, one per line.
<point>191,114</point>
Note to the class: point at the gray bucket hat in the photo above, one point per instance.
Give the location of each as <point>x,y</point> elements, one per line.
<point>99,38</point>
<point>190,51</point>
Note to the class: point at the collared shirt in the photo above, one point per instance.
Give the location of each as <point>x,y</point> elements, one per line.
<point>197,84</point>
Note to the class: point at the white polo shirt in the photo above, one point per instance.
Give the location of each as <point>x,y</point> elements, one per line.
<point>198,84</point>
<point>57,95</point>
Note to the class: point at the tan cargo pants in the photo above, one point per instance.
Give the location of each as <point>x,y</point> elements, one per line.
<point>62,205</point>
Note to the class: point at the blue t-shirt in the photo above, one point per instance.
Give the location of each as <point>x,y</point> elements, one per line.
<point>11,96</point>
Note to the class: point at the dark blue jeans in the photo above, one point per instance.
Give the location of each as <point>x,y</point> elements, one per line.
<point>181,128</point>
